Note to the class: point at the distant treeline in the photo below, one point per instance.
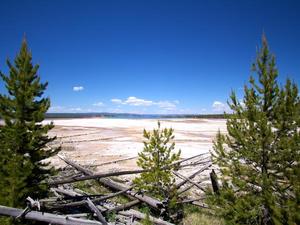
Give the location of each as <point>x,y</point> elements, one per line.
<point>132,116</point>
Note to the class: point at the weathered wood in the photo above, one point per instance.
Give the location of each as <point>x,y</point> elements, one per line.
<point>108,174</point>
<point>201,205</point>
<point>66,192</point>
<point>144,198</point>
<point>141,216</point>
<point>187,188</point>
<point>45,217</point>
<point>122,207</point>
<point>75,165</point>
<point>78,215</point>
<point>189,158</point>
<point>95,200</point>
<point>96,210</point>
<point>96,176</point>
<point>81,192</point>
<point>188,179</point>
<point>214,182</point>
<point>55,193</point>
<point>191,200</point>
<point>193,175</point>
<point>47,200</point>
<point>194,164</point>
<point>113,185</point>
<point>118,173</point>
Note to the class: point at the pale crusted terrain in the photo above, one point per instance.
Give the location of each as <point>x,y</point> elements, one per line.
<point>97,140</point>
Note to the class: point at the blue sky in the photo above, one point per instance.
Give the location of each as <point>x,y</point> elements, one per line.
<point>148,56</point>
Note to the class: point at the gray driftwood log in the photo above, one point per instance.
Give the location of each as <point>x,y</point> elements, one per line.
<point>188,179</point>
<point>141,216</point>
<point>46,217</point>
<point>116,186</point>
<point>193,175</point>
<point>96,210</point>
<point>91,176</point>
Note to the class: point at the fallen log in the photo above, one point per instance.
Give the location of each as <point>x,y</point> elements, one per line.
<point>193,175</point>
<point>96,210</point>
<point>58,196</point>
<point>78,215</point>
<point>95,176</point>
<point>189,158</point>
<point>76,166</point>
<point>122,207</point>
<point>187,188</point>
<point>45,217</point>
<point>110,174</point>
<point>190,200</point>
<point>141,216</point>
<point>194,164</point>
<point>66,192</point>
<point>95,200</point>
<point>154,203</point>
<point>188,179</point>
<point>78,191</point>
<point>47,200</point>
<point>201,205</point>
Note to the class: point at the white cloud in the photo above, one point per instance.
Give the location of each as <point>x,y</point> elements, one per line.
<point>99,104</point>
<point>134,101</point>
<point>138,102</point>
<point>219,106</point>
<point>116,100</point>
<point>78,88</point>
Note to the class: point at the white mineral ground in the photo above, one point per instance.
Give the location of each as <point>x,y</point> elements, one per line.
<point>94,141</point>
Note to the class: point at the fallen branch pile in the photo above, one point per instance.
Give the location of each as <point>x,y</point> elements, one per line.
<point>71,205</point>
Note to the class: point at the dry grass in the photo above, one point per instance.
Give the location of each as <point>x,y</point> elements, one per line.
<point>196,216</point>
<point>201,219</point>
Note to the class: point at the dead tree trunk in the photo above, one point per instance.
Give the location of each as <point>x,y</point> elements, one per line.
<point>96,210</point>
<point>189,180</point>
<point>122,207</point>
<point>141,216</point>
<point>46,217</point>
<point>96,176</point>
<point>214,182</point>
<point>113,185</point>
<point>81,203</point>
<point>187,188</point>
<point>193,175</point>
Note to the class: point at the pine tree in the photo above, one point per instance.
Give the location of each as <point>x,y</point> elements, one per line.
<point>158,157</point>
<point>23,143</point>
<point>259,158</point>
